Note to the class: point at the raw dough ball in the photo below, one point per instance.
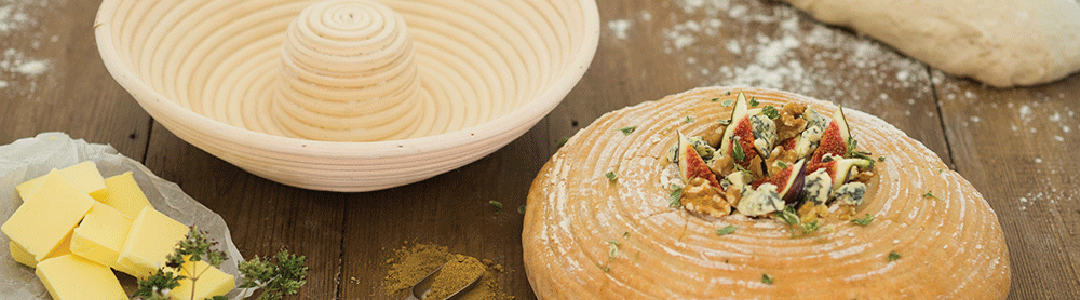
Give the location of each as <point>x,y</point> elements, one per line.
<point>1002,43</point>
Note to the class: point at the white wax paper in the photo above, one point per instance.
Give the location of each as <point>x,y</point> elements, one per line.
<point>29,158</point>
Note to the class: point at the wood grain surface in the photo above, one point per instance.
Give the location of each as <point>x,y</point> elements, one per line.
<point>1017,146</point>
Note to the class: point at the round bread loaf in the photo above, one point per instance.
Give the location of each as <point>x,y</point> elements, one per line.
<point>589,234</point>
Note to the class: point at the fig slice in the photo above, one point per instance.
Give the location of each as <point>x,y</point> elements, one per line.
<point>738,141</point>
<point>691,165</point>
<point>738,113</point>
<point>835,138</point>
<point>790,182</point>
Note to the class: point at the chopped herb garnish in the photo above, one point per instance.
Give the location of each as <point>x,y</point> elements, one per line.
<point>771,112</point>
<point>851,145</point>
<point>741,169</point>
<point>611,176</point>
<point>725,122</point>
<point>688,120</point>
<point>521,209</point>
<point>881,158</point>
<point>729,93</point>
<point>626,130</point>
<point>603,268</point>
<point>930,194</point>
<point>676,194</point>
<point>864,220</point>
<point>789,216</point>
<point>613,249</point>
<point>626,234</point>
<point>753,102</point>
<point>863,156</point>
<point>496,204</point>
<point>809,227</point>
<point>893,255</point>
<point>782,164</point>
<point>715,99</point>
<point>737,151</point>
<point>726,102</point>
<point>727,230</point>
<point>766,278</point>
<point>562,141</point>
<point>940,171</point>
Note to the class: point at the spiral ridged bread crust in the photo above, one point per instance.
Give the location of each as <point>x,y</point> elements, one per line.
<point>588,237</point>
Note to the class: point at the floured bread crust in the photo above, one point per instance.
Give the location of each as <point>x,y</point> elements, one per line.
<point>589,237</point>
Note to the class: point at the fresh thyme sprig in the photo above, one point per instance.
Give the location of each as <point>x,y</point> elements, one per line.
<point>277,279</point>
<point>157,285</point>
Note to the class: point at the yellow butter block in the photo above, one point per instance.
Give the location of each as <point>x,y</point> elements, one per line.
<point>48,216</point>
<point>20,255</point>
<point>85,176</point>
<point>70,277</point>
<point>152,237</point>
<point>125,195</point>
<point>100,236</point>
<point>212,282</point>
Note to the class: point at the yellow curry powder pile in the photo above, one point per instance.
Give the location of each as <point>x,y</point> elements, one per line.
<point>457,273</point>
<point>413,261</point>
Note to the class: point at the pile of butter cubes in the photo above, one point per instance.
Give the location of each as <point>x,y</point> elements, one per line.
<point>74,226</point>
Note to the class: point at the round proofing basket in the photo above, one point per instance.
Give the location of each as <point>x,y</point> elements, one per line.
<point>157,50</point>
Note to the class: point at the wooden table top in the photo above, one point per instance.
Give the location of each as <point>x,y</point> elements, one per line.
<point>1018,146</point>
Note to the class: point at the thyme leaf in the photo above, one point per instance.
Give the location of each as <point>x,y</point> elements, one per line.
<point>864,220</point>
<point>727,230</point>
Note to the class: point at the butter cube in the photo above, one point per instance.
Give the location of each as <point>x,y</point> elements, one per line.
<point>20,255</point>
<point>85,176</point>
<point>70,277</point>
<point>152,237</point>
<point>48,216</point>
<point>212,282</point>
<point>125,195</point>
<point>100,236</point>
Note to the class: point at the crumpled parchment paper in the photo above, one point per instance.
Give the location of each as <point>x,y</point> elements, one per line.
<point>29,158</point>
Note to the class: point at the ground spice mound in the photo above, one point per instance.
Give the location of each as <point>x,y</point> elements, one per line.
<point>413,261</point>
<point>458,272</point>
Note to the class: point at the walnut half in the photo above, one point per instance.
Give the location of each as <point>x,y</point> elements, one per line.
<point>700,197</point>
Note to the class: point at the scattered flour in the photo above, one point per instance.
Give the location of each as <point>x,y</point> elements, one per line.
<point>619,27</point>
<point>16,62</point>
<point>762,43</point>
<point>14,18</point>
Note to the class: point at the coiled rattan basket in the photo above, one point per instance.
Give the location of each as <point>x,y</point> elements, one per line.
<point>353,95</point>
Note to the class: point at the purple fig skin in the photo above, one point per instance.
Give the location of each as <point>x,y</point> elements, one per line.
<point>795,189</point>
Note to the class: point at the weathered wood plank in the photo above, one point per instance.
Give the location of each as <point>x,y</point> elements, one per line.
<point>52,79</point>
<point>263,216</point>
<point>1019,148</point>
<point>452,210</point>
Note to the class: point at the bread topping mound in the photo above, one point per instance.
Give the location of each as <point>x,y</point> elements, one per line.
<point>793,164</point>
